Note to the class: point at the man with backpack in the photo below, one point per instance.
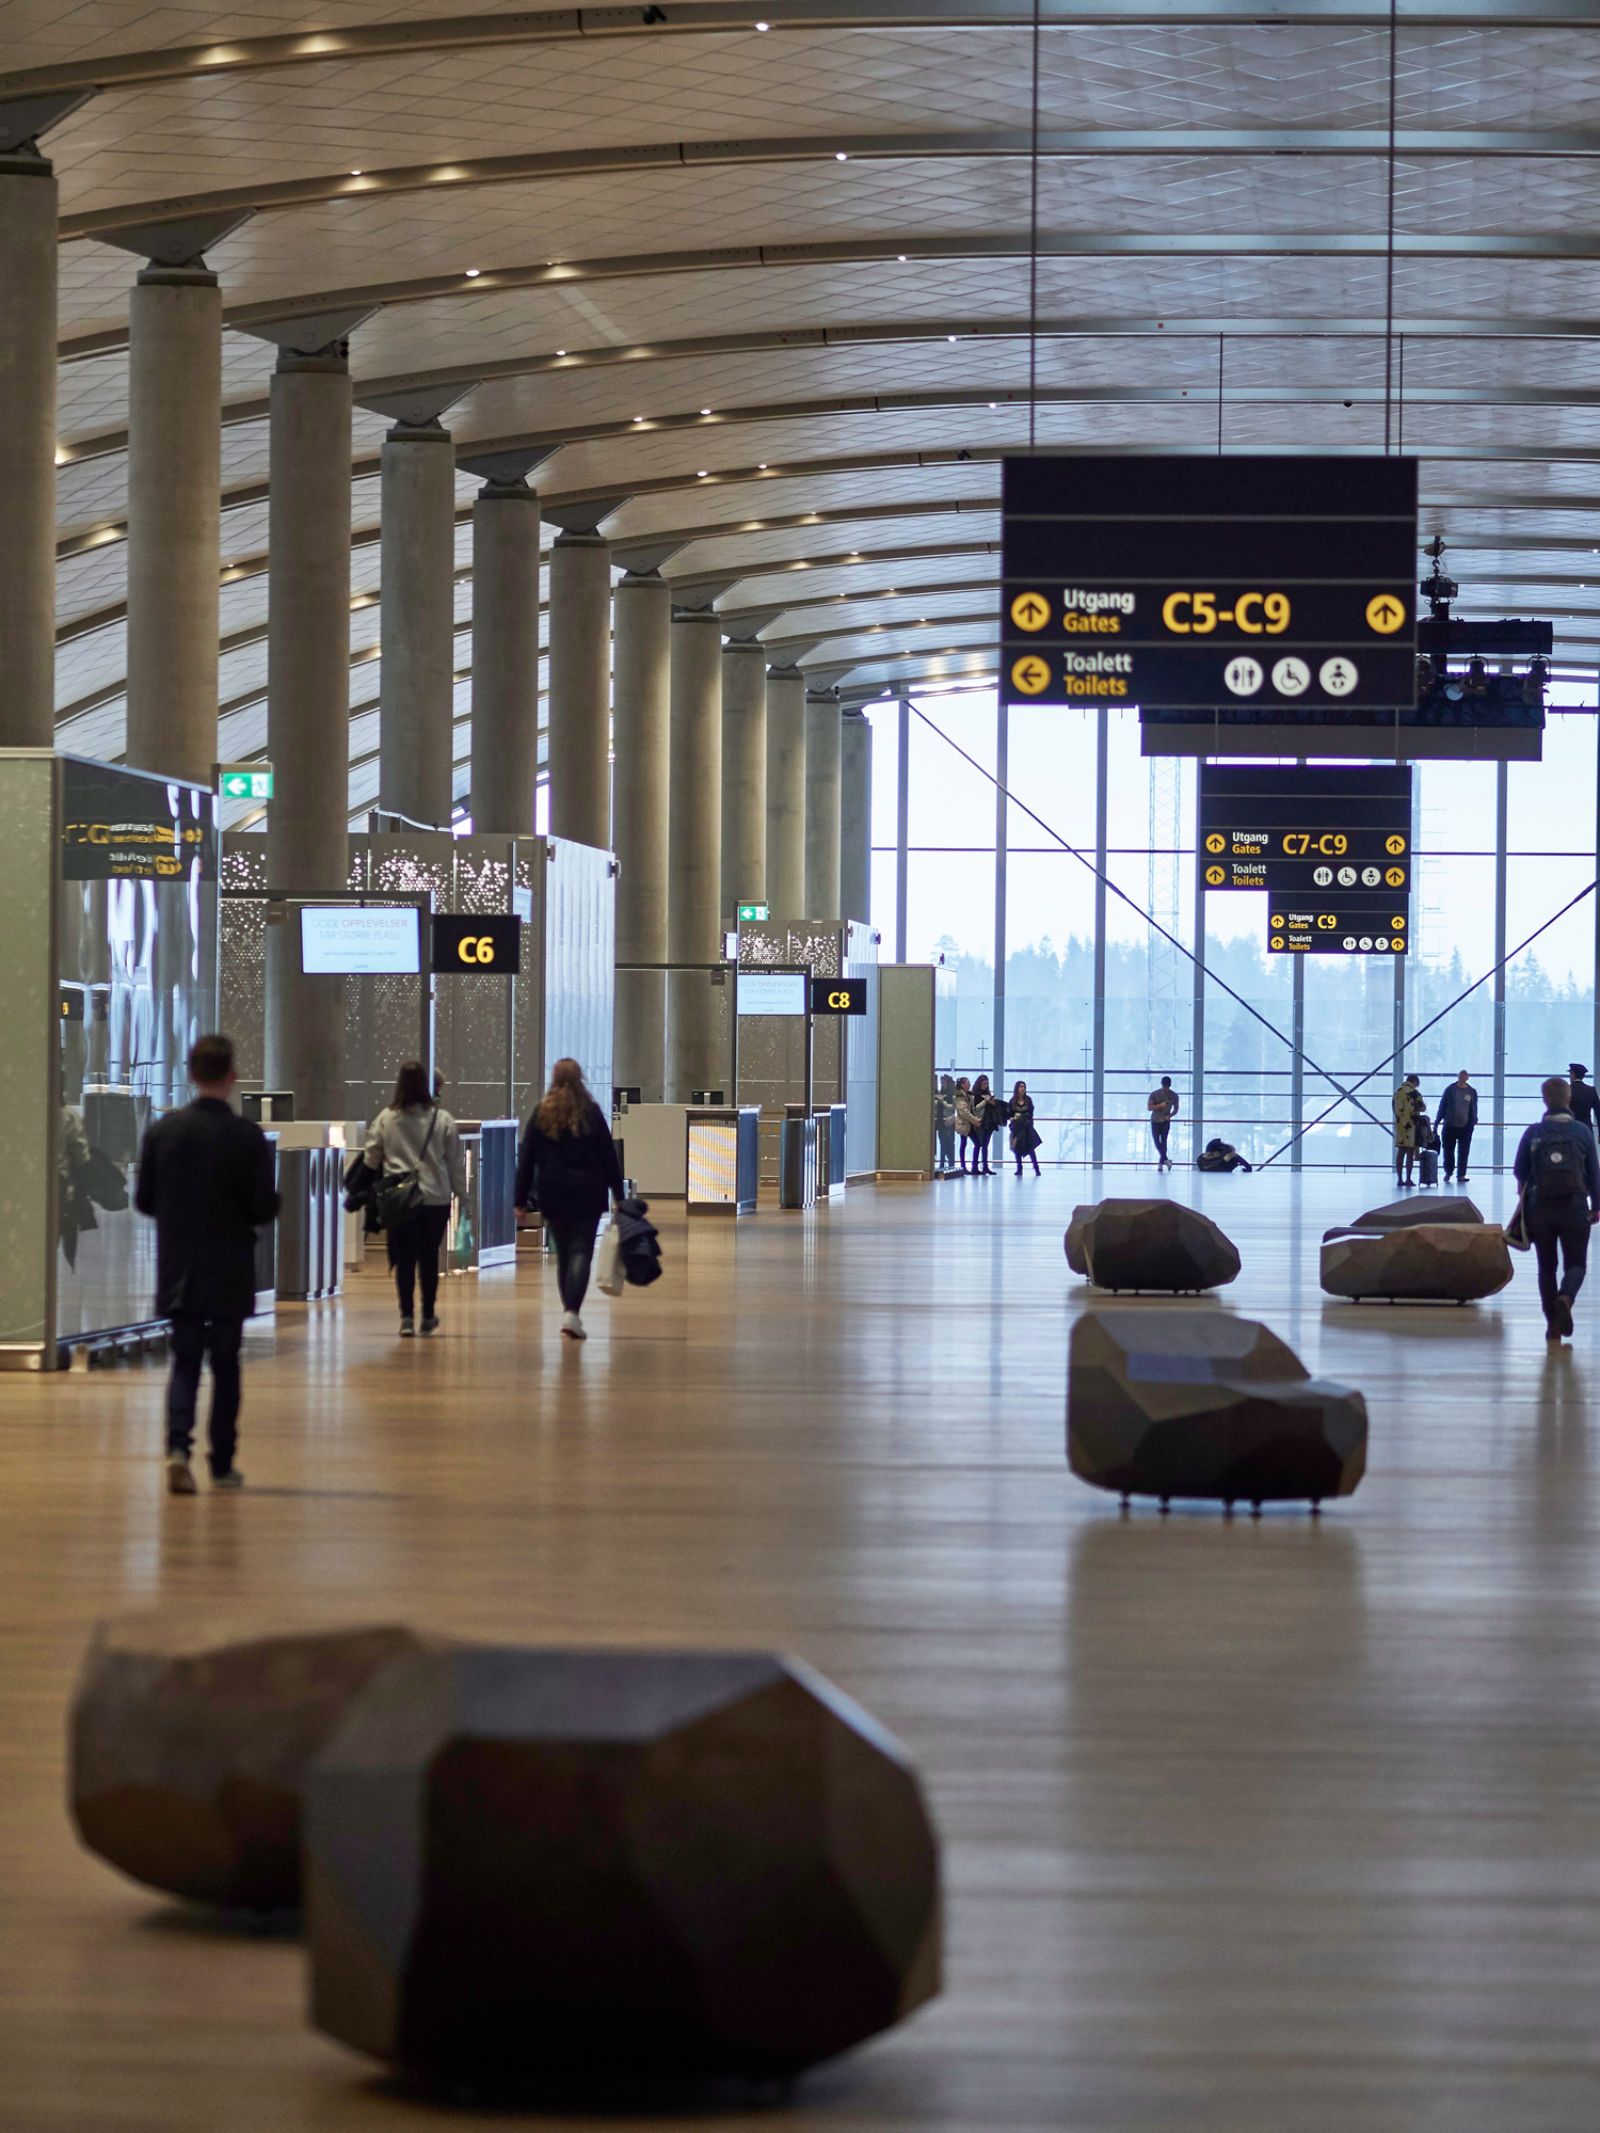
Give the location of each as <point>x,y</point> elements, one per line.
<point>1558,1169</point>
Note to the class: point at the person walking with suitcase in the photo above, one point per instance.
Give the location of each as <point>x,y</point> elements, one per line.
<point>415,1146</point>
<point>568,1171</point>
<point>1558,1168</point>
<point>1455,1119</point>
<point>206,1177</point>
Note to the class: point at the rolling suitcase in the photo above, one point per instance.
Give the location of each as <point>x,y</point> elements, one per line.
<point>1428,1166</point>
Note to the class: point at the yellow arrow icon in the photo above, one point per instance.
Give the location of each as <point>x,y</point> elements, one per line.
<point>1030,611</point>
<point>1031,675</point>
<point>1214,843</point>
<point>1396,877</point>
<point>1275,922</point>
<point>1385,614</point>
<point>1276,941</point>
<point>1215,877</point>
<point>1396,845</point>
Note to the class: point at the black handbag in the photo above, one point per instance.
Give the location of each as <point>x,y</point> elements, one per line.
<point>398,1193</point>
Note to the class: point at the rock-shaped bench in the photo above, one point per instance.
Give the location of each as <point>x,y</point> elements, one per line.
<point>1439,1262</point>
<point>1150,1244</point>
<point>189,1746</point>
<point>1182,1403</point>
<point>551,1865</point>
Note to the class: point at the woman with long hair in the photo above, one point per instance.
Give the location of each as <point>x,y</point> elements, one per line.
<point>415,1145</point>
<point>966,1120</point>
<point>986,1114</point>
<point>567,1171</point>
<point>1024,1133</point>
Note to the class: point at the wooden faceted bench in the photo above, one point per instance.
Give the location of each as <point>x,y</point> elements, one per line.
<point>1414,1214</point>
<point>547,1866</point>
<point>1178,1403</point>
<point>189,1748</point>
<point>1444,1262</point>
<point>1150,1244</point>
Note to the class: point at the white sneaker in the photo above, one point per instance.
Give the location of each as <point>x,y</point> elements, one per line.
<point>572,1326</point>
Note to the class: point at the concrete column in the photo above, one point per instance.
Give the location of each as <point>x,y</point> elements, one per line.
<point>822,803</point>
<point>416,741</point>
<point>855,817</point>
<point>694,863</point>
<point>174,518</point>
<point>786,792</point>
<point>308,697</point>
<point>641,823</point>
<point>27,448</point>
<point>580,688</point>
<point>505,658</point>
<point>744,778</point>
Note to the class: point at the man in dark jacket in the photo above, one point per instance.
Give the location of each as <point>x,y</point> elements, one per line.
<point>1558,1168</point>
<point>1585,1100</point>
<point>1455,1119</point>
<point>206,1175</point>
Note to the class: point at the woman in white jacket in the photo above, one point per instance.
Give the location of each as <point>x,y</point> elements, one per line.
<point>966,1117</point>
<point>415,1134</point>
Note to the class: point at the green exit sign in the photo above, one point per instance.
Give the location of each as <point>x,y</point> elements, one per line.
<point>749,914</point>
<point>246,785</point>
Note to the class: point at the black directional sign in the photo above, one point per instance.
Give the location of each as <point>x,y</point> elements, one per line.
<point>1282,586</point>
<point>1327,831</point>
<point>1331,846</point>
<point>1341,926</point>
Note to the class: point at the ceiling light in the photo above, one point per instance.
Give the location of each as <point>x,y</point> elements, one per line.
<point>705,411</point>
<point>473,273</point>
<point>762,468</point>
<point>561,351</point>
<point>355,174</point>
<point>839,156</point>
<point>901,257</point>
<point>950,337</point>
<point>638,418</point>
<point>700,474</point>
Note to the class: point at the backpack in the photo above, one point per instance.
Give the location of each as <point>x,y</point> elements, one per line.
<point>1557,1167</point>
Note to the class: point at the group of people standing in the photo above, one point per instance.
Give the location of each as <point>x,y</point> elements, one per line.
<point>967,1115</point>
<point>1419,1138</point>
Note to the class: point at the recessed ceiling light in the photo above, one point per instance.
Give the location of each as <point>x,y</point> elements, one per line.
<point>473,273</point>
<point>355,174</point>
<point>561,351</point>
<point>700,474</point>
<point>705,411</point>
<point>901,257</point>
<point>638,418</point>
<point>762,468</point>
<point>839,156</point>
<point>949,336</point>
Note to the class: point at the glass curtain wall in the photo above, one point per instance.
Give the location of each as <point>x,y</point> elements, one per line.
<point>994,889</point>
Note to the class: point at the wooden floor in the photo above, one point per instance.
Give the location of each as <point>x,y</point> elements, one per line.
<point>1253,1829</point>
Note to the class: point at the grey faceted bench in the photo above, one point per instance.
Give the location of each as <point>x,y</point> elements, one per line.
<point>529,1865</point>
<point>189,1746</point>
<point>1444,1262</point>
<point>1149,1244</point>
<point>1183,1403</point>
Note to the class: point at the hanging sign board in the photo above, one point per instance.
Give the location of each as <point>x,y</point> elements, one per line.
<point>838,996</point>
<point>1276,586</point>
<point>1297,829</point>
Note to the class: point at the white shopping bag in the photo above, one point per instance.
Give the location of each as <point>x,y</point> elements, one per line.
<point>608,1262</point>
